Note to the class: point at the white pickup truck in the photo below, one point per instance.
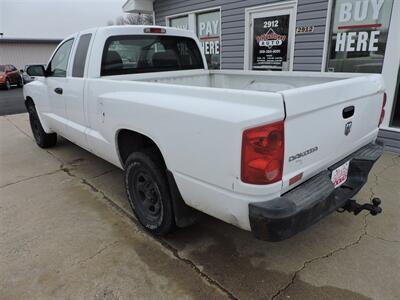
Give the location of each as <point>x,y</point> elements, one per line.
<point>270,152</point>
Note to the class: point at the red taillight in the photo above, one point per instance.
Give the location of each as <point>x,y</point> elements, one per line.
<point>154,30</point>
<point>383,109</point>
<point>262,154</point>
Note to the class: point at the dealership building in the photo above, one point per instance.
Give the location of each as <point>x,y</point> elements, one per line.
<point>357,36</point>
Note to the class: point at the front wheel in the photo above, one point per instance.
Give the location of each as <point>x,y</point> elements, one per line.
<point>8,84</point>
<point>148,192</point>
<point>43,139</point>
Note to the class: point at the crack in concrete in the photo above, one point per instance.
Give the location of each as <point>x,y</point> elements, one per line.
<point>30,178</point>
<point>363,234</point>
<point>203,275</point>
<point>98,252</point>
<point>16,126</point>
<point>373,195</point>
<point>310,261</point>
<point>375,184</point>
<point>386,167</point>
<point>102,174</point>
<point>382,239</point>
<point>160,241</point>
<point>396,160</point>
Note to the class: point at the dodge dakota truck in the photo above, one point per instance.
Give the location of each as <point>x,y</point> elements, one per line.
<point>269,152</point>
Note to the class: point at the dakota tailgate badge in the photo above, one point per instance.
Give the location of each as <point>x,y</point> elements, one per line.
<point>302,154</point>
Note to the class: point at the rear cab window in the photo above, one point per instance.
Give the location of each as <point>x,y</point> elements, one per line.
<point>132,54</point>
<point>78,66</point>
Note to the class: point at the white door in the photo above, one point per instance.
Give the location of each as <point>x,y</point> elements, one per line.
<point>56,81</point>
<point>270,33</point>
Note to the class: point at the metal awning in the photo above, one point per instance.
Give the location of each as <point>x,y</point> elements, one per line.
<point>138,6</point>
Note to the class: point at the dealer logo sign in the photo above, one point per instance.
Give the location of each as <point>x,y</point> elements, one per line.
<point>270,39</point>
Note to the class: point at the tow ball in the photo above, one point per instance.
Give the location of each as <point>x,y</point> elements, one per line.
<point>356,208</point>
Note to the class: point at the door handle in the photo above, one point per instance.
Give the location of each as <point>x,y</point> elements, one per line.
<point>58,91</point>
<point>348,112</point>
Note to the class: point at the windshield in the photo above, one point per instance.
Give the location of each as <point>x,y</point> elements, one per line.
<point>2,69</point>
<point>130,54</point>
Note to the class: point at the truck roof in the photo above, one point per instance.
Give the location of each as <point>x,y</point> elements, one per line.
<point>137,29</point>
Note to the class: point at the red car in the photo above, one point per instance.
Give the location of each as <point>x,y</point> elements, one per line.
<point>9,75</point>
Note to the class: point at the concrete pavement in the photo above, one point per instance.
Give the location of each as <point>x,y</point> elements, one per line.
<point>66,231</point>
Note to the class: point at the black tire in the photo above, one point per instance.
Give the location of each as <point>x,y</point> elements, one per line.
<point>7,86</point>
<point>43,139</point>
<point>148,192</point>
<point>20,82</point>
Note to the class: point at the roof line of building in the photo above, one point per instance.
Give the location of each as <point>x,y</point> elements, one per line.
<point>27,40</point>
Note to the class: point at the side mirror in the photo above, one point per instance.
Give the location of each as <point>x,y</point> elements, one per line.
<point>36,71</point>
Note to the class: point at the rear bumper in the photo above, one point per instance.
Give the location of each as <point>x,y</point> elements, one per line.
<point>281,218</point>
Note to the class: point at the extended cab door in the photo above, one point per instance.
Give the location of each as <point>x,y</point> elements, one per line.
<point>77,123</point>
<point>57,87</point>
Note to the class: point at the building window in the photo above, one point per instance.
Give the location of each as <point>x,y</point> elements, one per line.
<point>207,25</point>
<point>358,35</point>
<point>180,22</point>
<point>209,33</point>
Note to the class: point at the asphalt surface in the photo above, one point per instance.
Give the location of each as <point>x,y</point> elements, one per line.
<point>67,232</point>
<point>11,102</point>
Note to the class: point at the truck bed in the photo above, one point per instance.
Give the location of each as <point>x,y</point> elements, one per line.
<point>314,105</point>
<point>266,81</point>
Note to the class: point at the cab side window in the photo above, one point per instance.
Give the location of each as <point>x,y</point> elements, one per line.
<point>59,63</point>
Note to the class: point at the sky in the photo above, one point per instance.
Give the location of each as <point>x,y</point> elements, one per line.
<point>54,19</point>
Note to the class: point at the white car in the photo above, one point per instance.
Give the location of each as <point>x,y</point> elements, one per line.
<point>270,152</point>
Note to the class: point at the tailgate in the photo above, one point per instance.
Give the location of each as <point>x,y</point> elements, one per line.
<point>327,122</point>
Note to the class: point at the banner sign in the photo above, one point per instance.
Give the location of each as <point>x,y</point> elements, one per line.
<point>270,42</point>
<point>209,32</point>
<point>358,25</point>
<point>358,35</point>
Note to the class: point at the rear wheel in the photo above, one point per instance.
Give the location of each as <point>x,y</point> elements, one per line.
<point>148,192</point>
<point>43,139</point>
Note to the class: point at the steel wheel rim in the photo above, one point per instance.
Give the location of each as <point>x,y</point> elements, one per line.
<point>148,196</point>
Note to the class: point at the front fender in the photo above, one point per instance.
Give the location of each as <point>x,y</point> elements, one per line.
<point>36,92</point>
